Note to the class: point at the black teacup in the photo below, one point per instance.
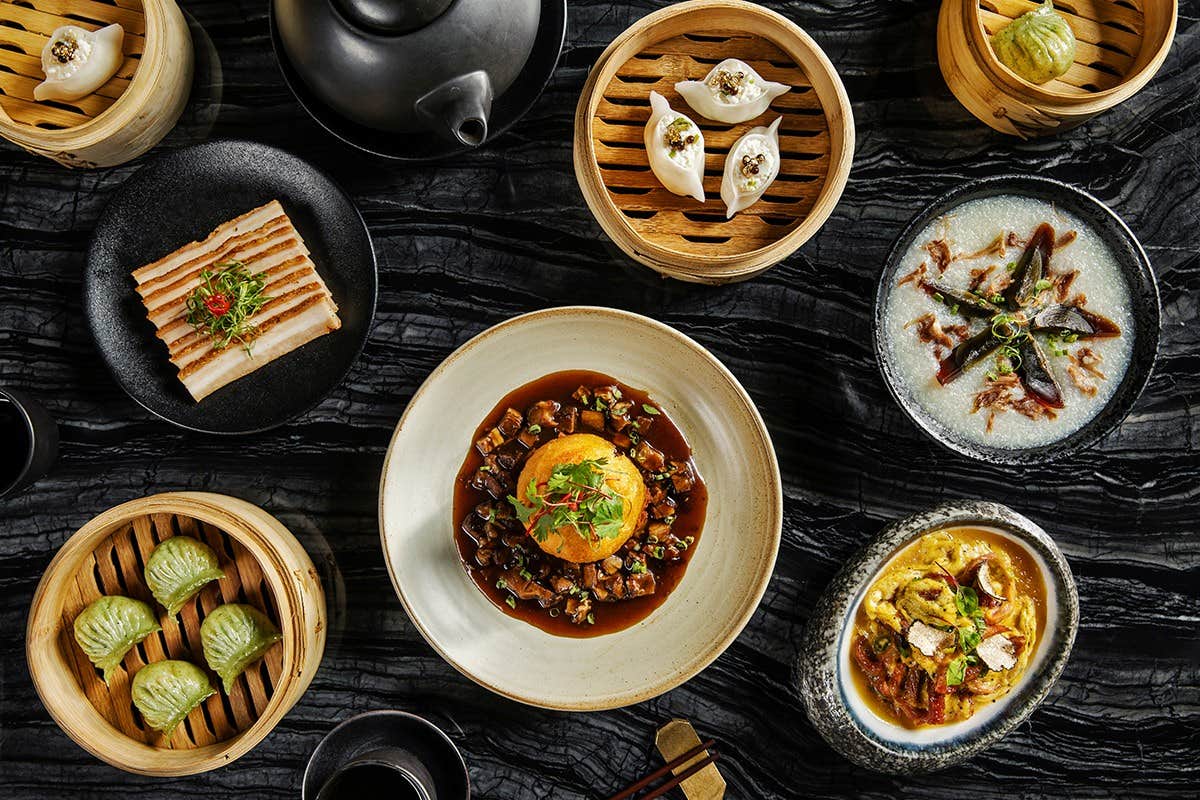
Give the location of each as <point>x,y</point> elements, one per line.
<point>387,772</point>
<point>28,441</point>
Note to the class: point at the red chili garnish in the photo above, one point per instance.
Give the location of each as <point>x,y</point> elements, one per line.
<point>217,304</point>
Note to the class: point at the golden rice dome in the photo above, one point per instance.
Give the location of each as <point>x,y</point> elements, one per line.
<point>621,477</point>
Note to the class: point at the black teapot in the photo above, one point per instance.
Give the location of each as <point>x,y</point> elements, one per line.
<point>410,65</point>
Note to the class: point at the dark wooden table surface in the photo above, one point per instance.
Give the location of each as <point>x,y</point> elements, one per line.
<point>468,243</point>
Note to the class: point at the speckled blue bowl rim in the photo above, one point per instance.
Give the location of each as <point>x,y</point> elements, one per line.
<point>1145,308</point>
<point>818,664</point>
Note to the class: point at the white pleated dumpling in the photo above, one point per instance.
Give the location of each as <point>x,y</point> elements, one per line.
<point>750,167</point>
<point>731,92</point>
<point>675,146</point>
<point>77,61</point>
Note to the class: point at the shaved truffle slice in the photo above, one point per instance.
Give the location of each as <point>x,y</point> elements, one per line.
<point>997,652</point>
<point>988,583</point>
<point>928,639</point>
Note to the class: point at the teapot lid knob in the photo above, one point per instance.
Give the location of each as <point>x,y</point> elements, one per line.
<point>392,16</point>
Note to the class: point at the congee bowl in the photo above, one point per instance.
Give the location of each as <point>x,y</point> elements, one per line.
<point>835,704</point>
<point>729,567</point>
<point>1142,318</point>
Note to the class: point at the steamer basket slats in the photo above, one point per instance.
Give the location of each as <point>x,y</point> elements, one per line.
<point>1119,47</point>
<point>29,29</point>
<point>677,235</point>
<point>264,567</point>
<point>123,118</point>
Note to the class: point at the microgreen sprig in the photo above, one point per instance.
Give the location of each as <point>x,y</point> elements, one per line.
<point>222,305</point>
<point>575,496</point>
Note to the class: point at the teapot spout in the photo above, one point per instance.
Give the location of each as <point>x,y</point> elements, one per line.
<point>459,108</point>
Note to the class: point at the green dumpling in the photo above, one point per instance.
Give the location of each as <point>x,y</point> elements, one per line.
<point>1039,45</point>
<point>233,636</point>
<point>178,568</point>
<point>109,628</point>
<point>167,691</point>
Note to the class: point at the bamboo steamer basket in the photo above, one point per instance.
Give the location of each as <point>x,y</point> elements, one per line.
<point>1120,46</point>
<point>264,566</point>
<point>123,118</point>
<point>677,236</point>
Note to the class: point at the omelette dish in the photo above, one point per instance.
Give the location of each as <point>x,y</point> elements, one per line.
<point>578,505</point>
<point>949,626</point>
<point>246,295</point>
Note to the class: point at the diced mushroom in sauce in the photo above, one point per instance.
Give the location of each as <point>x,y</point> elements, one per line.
<point>526,574</point>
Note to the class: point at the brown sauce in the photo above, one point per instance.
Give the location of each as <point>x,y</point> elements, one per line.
<point>1028,579</point>
<point>688,516</point>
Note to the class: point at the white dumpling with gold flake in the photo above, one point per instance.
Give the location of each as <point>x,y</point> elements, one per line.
<point>77,61</point>
<point>732,92</point>
<point>675,146</point>
<point>750,168</point>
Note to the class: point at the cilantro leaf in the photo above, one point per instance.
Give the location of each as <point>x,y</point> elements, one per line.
<point>573,496</point>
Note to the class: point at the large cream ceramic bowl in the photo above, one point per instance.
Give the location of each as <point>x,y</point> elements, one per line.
<point>727,575</point>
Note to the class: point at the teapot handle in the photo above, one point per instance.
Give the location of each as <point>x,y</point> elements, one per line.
<point>459,108</point>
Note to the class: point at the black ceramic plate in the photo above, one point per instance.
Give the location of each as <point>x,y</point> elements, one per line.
<point>181,197</point>
<point>376,729</point>
<point>506,109</point>
<point>1143,292</point>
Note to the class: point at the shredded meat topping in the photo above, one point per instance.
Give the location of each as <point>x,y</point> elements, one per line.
<point>939,251</point>
<point>995,248</point>
<point>930,331</point>
<point>916,275</point>
<point>1004,393</point>
<point>978,276</point>
<point>1083,367</point>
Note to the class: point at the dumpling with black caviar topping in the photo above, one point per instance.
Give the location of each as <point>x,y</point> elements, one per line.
<point>732,92</point>
<point>166,691</point>
<point>675,146</point>
<point>233,636</point>
<point>77,61</point>
<point>110,626</point>
<point>178,568</point>
<point>750,168</point>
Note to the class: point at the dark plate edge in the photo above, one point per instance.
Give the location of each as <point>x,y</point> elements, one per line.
<point>143,175</point>
<point>1089,434</point>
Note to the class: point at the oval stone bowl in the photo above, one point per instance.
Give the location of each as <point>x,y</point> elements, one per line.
<point>833,702</point>
<point>1144,300</point>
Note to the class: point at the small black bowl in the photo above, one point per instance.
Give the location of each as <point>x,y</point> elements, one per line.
<point>1143,295</point>
<point>507,109</point>
<point>376,731</point>
<point>37,444</point>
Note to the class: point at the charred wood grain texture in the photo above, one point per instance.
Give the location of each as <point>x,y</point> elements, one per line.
<point>467,243</point>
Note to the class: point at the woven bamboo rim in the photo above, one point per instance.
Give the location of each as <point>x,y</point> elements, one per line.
<point>694,242</point>
<point>124,117</point>
<point>264,566</point>
<point>1121,46</point>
